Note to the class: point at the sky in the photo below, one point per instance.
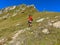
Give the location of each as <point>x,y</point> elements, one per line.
<point>41,5</point>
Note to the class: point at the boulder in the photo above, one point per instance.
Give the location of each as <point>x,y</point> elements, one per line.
<point>56,24</point>
<point>45,31</point>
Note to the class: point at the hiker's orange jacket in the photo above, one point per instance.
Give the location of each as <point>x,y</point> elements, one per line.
<point>30,18</point>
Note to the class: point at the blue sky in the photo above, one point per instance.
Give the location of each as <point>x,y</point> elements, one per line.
<point>49,5</point>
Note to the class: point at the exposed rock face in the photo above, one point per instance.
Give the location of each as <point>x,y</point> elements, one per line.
<point>10,8</point>
<point>57,24</point>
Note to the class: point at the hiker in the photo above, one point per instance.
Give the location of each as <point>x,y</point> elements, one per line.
<point>30,19</point>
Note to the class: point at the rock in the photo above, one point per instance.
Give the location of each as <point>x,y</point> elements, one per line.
<point>14,14</point>
<point>2,41</point>
<point>31,5</point>
<point>39,27</point>
<point>50,24</point>
<point>17,24</point>
<point>5,16</point>
<point>52,21</point>
<point>27,28</point>
<point>47,17</point>
<point>40,20</point>
<point>23,8</point>
<point>56,24</point>
<point>31,32</point>
<point>1,12</point>
<point>17,10</point>
<point>45,31</point>
<point>56,16</point>
<point>6,9</point>
<point>11,8</point>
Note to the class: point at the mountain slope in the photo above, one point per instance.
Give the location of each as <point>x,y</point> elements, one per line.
<point>14,29</point>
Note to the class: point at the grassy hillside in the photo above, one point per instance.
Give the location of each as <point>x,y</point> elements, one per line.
<point>13,23</point>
